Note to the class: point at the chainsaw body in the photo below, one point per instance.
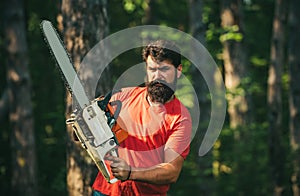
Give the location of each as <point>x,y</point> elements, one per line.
<point>99,134</point>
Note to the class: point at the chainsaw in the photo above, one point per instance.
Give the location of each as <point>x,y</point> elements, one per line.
<point>94,122</point>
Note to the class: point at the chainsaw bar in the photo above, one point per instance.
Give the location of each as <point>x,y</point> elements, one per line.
<point>63,60</point>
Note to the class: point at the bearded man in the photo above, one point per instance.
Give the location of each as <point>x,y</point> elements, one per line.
<point>159,129</point>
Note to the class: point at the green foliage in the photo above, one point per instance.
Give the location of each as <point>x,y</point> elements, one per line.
<point>245,152</point>
<point>231,33</point>
<point>131,5</point>
<point>238,164</point>
<point>211,18</point>
<point>131,13</point>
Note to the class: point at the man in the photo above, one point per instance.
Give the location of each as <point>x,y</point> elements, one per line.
<point>159,129</point>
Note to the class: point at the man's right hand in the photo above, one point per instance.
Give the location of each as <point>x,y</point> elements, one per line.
<point>120,168</point>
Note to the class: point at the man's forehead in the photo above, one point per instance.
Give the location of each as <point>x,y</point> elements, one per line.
<point>152,63</point>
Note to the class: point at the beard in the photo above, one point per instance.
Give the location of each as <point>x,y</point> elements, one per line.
<point>160,91</point>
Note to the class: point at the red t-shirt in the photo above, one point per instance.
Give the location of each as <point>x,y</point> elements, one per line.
<point>152,130</point>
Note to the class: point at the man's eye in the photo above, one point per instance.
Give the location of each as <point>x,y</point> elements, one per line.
<point>164,69</point>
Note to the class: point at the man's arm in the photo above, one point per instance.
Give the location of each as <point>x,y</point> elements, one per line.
<point>164,173</point>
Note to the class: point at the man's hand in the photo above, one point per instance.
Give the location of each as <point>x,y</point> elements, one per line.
<point>120,169</point>
<point>164,173</point>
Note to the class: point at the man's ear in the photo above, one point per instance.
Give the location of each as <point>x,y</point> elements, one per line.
<point>179,70</point>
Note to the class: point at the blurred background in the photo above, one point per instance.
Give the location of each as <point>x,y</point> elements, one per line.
<point>256,45</point>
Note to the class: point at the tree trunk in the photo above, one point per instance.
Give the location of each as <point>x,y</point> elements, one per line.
<point>84,24</point>
<point>235,63</point>
<point>236,73</point>
<point>275,97</point>
<point>197,26</point>
<point>294,69</point>
<point>198,30</point>
<point>23,178</point>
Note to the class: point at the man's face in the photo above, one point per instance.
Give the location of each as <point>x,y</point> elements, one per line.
<point>164,71</point>
<point>162,78</point>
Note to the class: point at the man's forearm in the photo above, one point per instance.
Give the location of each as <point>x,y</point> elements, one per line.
<point>165,173</point>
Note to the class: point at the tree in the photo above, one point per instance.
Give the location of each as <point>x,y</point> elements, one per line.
<point>198,31</point>
<point>23,178</point>
<point>197,25</point>
<point>235,63</point>
<point>83,24</point>
<point>237,76</point>
<point>275,97</point>
<point>294,100</point>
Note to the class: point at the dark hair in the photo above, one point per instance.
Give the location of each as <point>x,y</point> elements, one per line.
<point>161,50</point>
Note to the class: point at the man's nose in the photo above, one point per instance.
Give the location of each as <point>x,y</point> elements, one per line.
<point>157,74</point>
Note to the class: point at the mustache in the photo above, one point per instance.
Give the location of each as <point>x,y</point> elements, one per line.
<point>159,91</point>
<point>159,83</point>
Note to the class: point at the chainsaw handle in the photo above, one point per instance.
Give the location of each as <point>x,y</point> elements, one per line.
<point>120,133</point>
<point>115,113</point>
<point>112,115</point>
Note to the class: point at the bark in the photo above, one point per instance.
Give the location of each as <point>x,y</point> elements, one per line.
<point>23,177</point>
<point>275,97</point>
<point>83,24</point>
<point>235,65</point>
<point>294,100</point>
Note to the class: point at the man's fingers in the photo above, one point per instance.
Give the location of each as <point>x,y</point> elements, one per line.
<point>114,165</point>
<point>119,167</point>
<point>113,159</point>
<point>114,170</point>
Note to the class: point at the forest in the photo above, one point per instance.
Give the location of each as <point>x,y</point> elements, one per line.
<point>254,44</point>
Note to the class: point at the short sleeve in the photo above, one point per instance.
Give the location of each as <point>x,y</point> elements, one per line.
<point>179,138</point>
